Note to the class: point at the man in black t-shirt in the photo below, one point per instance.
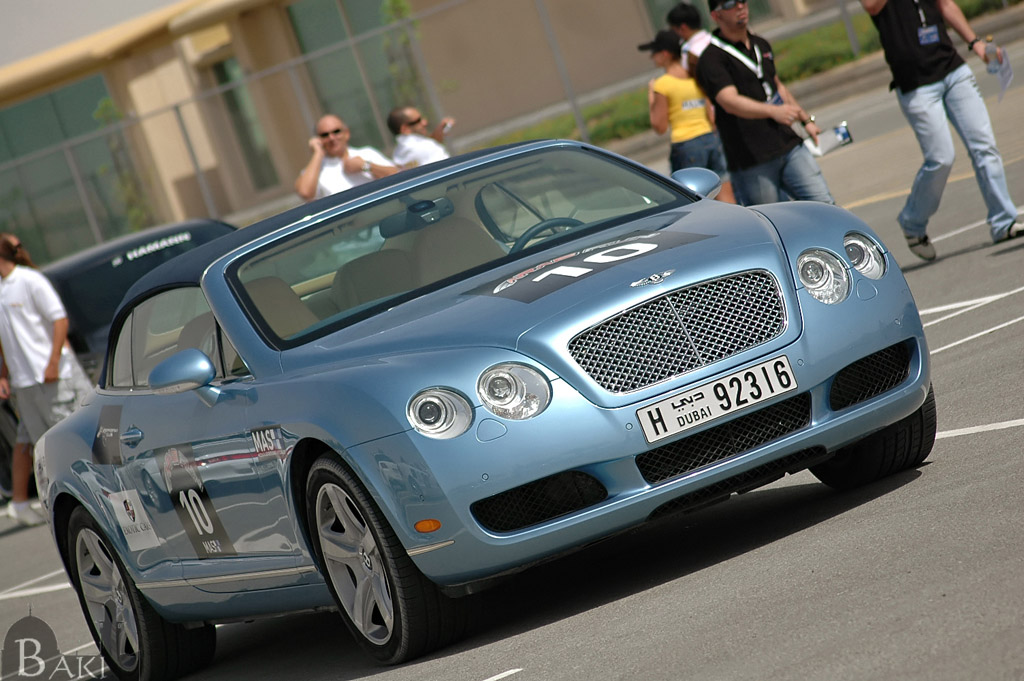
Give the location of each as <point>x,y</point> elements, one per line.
<point>932,81</point>
<point>754,111</point>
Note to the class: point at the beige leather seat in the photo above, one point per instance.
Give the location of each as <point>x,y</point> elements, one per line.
<point>452,245</point>
<point>280,306</point>
<point>372,276</point>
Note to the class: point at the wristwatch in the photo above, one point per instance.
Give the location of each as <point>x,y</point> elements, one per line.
<point>970,43</point>
<point>810,119</point>
<point>366,166</point>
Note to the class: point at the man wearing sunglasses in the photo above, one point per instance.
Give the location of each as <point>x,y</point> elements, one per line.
<point>414,147</point>
<point>754,113</point>
<point>335,166</point>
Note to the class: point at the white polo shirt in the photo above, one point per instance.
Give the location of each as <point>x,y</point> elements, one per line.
<point>418,150</point>
<point>334,179</point>
<point>29,306</point>
<point>697,43</point>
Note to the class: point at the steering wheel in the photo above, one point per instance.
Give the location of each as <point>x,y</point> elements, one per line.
<point>550,224</point>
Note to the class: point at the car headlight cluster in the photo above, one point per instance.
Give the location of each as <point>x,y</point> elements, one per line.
<point>440,413</point>
<point>865,255</point>
<point>513,391</point>
<point>823,275</point>
<point>509,390</point>
<point>826,276</point>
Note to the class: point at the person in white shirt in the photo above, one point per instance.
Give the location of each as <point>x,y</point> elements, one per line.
<point>37,368</point>
<point>334,165</point>
<point>414,147</point>
<point>685,21</point>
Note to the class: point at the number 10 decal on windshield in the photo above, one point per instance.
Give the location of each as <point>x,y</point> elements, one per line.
<point>560,271</point>
<point>192,503</point>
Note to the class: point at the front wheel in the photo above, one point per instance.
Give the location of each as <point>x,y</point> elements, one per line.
<point>391,608</point>
<point>136,642</point>
<point>902,445</point>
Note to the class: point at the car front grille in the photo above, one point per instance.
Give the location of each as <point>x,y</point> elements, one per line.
<point>870,376</point>
<point>681,331</point>
<point>539,501</point>
<point>729,439</point>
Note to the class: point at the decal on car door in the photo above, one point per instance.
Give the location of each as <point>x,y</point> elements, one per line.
<point>192,503</point>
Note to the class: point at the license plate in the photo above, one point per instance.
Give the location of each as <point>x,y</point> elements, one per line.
<point>716,399</point>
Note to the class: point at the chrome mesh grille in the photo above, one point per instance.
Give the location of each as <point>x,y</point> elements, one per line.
<point>681,331</point>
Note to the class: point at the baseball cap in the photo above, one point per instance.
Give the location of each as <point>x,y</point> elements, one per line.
<point>663,40</point>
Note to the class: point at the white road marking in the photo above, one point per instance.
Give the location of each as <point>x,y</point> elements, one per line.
<point>503,675</point>
<point>30,582</point>
<point>25,593</point>
<point>977,335</point>
<point>965,306</point>
<point>1017,423</point>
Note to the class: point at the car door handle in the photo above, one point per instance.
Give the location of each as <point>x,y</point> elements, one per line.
<point>131,437</point>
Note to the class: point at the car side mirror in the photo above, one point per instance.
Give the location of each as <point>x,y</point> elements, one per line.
<point>702,181</point>
<point>187,370</point>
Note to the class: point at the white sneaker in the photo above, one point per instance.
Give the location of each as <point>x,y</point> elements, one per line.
<point>24,515</point>
<point>921,247</point>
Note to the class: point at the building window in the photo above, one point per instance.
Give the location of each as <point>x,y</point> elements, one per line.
<point>369,72</point>
<point>45,180</point>
<point>246,124</point>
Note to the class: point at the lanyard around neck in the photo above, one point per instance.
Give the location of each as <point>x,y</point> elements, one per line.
<point>920,13</point>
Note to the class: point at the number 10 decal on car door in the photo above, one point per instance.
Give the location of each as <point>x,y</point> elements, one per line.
<point>192,503</point>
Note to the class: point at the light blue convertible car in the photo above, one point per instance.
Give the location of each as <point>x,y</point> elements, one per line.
<point>391,398</point>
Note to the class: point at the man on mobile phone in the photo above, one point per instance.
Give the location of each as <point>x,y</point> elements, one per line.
<point>415,147</point>
<point>754,113</point>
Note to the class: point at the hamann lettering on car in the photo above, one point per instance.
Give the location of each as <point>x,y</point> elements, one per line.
<point>558,272</point>
<point>153,247</point>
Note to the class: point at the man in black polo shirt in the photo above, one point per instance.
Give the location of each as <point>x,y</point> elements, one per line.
<point>754,111</point>
<point>932,81</point>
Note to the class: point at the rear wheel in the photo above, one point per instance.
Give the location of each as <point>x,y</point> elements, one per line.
<point>902,445</point>
<point>137,643</point>
<point>392,609</point>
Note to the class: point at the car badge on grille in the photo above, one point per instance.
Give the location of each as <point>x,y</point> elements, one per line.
<point>653,279</point>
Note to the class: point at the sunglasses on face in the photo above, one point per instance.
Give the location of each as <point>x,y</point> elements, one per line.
<point>415,122</point>
<point>731,4</point>
<point>325,135</point>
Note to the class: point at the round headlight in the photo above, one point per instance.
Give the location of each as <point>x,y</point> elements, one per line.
<point>865,255</point>
<point>513,391</point>
<point>823,275</point>
<point>439,413</point>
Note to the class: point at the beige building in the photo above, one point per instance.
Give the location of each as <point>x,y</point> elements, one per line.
<point>204,107</point>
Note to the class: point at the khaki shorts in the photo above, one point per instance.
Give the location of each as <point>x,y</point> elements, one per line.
<point>40,407</point>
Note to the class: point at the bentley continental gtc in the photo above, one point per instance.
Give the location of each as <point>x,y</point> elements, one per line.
<point>386,400</point>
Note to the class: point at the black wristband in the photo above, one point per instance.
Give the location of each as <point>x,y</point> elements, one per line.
<point>970,43</point>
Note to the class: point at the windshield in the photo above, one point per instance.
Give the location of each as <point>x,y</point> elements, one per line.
<point>350,265</point>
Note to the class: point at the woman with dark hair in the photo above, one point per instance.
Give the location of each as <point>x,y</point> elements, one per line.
<point>677,103</point>
<point>37,371</point>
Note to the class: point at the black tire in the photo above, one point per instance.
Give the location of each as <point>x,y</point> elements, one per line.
<point>905,444</point>
<point>394,612</point>
<point>136,642</point>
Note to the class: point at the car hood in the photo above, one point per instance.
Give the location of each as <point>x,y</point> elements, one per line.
<point>537,304</point>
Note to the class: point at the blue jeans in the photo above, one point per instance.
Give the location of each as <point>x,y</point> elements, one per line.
<point>793,175</point>
<point>701,152</point>
<point>957,97</point>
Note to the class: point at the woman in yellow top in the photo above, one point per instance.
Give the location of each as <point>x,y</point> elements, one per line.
<point>677,102</point>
